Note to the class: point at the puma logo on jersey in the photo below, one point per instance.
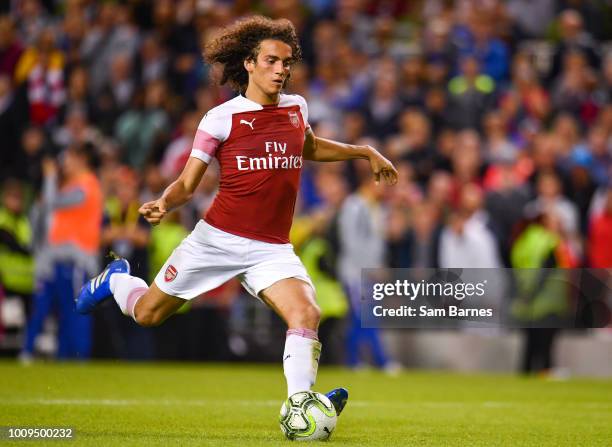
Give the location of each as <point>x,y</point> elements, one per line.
<point>250,124</point>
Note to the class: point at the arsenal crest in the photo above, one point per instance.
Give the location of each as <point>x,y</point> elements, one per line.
<point>293,118</point>
<point>170,273</point>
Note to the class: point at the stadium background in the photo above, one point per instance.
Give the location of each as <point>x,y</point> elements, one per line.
<point>492,111</point>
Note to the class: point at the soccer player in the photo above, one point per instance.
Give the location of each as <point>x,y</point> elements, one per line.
<point>260,139</point>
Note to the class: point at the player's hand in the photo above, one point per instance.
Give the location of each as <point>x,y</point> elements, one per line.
<point>381,167</point>
<point>154,211</point>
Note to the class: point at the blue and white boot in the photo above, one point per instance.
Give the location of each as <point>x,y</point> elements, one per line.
<point>338,398</point>
<point>97,289</point>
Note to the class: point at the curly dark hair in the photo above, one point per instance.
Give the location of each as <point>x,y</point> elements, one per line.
<point>240,42</point>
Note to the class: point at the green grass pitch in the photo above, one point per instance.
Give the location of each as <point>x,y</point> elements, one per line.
<point>118,404</point>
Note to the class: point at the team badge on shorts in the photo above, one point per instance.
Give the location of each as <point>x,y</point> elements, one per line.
<point>293,118</point>
<point>170,273</point>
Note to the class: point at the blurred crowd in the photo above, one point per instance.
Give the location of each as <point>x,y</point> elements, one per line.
<point>497,114</point>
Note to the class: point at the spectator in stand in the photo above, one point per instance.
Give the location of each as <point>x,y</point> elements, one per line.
<point>41,68</point>
<point>529,16</point>
<point>605,117</point>
<point>413,144</point>
<point>506,196</point>
<point>111,34</point>
<point>182,39</point>
<point>436,107</point>
<point>139,130</point>
<point>566,135</point>
<point>582,185</point>
<point>121,84</point>
<point>77,94</point>
<point>572,89</point>
<point>604,91</point>
<point>76,129</point>
<point>445,144</point>
<point>467,240</point>
<point>320,94</point>
<point>35,147</point>
<point>152,59</point>
<point>550,196</point>
<point>439,50</point>
<point>525,98</point>
<point>490,52</point>
<point>466,161</point>
<point>600,235</point>
<point>573,38</point>
<point>354,78</point>
<point>497,142</point>
<point>544,158</point>
<point>353,22</point>
<point>13,118</point>
<point>470,95</point>
<point>598,151</point>
<point>352,130</point>
<point>415,244</point>
<point>32,19</point>
<point>384,105</point>
<point>411,82</point>
<point>73,32</point>
<point>10,47</point>
<point>440,192</point>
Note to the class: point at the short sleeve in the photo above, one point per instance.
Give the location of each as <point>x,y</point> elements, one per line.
<point>212,131</point>
<point>304,110</point>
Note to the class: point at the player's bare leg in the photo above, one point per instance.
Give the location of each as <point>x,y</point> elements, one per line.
<point>294,301</point>
<point>147,305</point>
<point>155,306</point>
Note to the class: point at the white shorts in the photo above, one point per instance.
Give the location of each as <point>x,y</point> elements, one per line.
<point>209,257</point>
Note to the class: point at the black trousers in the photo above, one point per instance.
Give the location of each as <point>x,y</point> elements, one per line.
<point>538,347</point>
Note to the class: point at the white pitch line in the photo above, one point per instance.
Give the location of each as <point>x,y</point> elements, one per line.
<point>130,402</point>
<point>274,403</point>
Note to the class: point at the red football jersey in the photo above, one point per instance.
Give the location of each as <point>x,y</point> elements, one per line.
<point>259,149</point>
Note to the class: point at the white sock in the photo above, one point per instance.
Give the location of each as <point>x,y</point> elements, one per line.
<point>301,359</point>
<point>127,290</point>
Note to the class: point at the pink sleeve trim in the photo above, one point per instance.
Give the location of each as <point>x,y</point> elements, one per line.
<point>133,298</point>
<point>306,333</point>
<point>204,146</point>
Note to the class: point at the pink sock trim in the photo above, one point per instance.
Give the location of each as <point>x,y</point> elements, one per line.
<point>306,333</point>
<point>133,298</point>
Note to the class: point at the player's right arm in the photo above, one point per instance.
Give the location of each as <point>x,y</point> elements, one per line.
<point>212,131</point>
<point>178,193</point>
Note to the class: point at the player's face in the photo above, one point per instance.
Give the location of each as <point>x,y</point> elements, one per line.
<point>272,67</point>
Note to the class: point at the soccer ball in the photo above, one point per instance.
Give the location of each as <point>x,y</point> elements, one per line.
<point>307,416</point>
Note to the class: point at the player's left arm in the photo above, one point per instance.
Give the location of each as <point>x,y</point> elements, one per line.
<point>322,149</point>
